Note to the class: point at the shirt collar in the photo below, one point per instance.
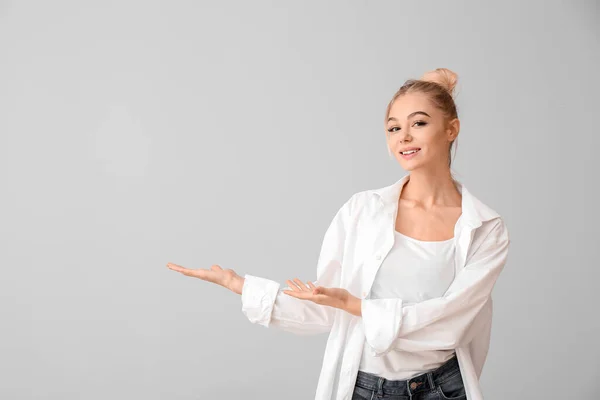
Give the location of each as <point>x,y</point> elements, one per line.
<point>474,212</point>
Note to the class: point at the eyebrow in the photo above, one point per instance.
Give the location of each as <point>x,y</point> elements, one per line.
<point>411,115</point>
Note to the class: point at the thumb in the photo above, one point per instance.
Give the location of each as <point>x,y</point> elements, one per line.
<point>320,290</point>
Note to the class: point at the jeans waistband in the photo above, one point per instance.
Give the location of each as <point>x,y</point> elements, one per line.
<point>425,381</point>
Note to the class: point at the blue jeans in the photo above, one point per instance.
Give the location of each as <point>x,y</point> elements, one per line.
<point>442,383</point>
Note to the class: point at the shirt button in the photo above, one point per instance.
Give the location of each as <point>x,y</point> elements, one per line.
<point>378,257</point>
<point>364,294</point>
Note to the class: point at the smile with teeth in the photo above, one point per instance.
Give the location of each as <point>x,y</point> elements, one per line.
<point>409,152</point>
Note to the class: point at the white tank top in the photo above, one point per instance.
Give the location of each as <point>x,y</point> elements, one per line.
<point>414,270</point>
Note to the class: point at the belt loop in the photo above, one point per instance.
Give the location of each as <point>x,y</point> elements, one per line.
<point>380,386</point>
<point>430,378</point>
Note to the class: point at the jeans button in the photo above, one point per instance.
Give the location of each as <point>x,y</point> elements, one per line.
<point>413,385</point>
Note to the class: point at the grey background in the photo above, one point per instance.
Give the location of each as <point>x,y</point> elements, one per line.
<point>133,134</point>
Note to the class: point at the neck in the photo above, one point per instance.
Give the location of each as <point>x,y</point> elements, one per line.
<point>428,190</point>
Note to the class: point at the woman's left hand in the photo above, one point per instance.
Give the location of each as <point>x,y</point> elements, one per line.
<point>333,297</point>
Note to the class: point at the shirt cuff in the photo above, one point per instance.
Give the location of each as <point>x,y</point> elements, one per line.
<point>381,323</point>
<point>258,299</point>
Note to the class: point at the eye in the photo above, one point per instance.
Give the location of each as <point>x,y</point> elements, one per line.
<point>418,123</point>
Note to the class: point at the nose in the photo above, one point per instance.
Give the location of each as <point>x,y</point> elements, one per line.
<point>404,138</point>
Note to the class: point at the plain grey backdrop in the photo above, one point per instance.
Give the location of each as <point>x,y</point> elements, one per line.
<point>136,133</point>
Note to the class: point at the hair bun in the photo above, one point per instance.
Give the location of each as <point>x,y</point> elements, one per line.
<point>443,77</point>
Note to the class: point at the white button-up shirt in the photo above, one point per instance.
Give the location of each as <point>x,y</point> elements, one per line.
<point>355,243</point>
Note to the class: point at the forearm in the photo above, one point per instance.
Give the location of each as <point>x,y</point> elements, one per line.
<point>264,303</point>
<point>353,306</point>
<point>445,321</point>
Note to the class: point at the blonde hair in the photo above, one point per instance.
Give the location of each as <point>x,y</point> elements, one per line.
<point>438,85</point>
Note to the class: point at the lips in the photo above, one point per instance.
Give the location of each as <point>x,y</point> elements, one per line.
<point>411,155</point>
<point>410,149</point>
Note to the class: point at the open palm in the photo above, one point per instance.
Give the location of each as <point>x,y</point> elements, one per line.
<point>333,297</point>
<point>227,278</point>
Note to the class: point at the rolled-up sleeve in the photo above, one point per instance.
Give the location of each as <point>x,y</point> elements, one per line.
<point>439,323</point>
<point>264,303</point>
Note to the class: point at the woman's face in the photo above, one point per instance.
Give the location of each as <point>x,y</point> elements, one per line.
<point>414,123</point>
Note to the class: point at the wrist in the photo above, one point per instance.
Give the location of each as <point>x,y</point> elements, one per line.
<point>237,284</point>
<point>353,306</point>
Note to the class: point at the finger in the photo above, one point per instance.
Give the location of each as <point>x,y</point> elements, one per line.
<point>293,286</point>
<point>312,285</point>
<point>176,267</point>
<point>301,284</point>
<point>197,273</point>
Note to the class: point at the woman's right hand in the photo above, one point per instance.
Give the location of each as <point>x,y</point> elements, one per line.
<point>223,277</point>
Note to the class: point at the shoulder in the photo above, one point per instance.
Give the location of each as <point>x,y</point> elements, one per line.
<point>479,208</point>
<point>492,236</point>
<point>492,223</point>
<point>359,202</point>
<point>496,231</point>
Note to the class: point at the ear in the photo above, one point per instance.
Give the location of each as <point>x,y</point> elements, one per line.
<point>452,130</point>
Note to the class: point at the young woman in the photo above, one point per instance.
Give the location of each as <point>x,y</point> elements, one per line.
<point>405,272</point>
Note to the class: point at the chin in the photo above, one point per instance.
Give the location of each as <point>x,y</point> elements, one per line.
<point>408,166</point>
